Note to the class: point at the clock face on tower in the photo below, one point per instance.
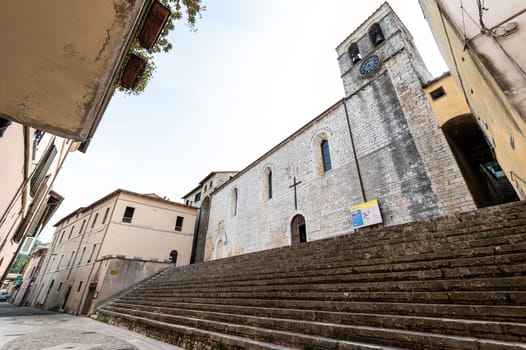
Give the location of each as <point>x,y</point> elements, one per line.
<point>370,65</point>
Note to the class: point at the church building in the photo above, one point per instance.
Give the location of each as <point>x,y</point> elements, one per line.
<point>379,145</point>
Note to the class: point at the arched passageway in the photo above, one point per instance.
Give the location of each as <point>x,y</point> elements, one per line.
<point>486,181</point>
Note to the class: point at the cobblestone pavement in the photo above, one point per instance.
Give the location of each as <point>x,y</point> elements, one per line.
<point>24,328</point>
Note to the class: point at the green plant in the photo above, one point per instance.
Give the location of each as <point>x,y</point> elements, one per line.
<point>218,345</point>
<point>190,11</point>
<point>488,235</point>
<point>370,289</point>
<point>446,249</point>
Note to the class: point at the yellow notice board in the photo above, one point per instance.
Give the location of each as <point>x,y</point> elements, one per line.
<point>366,214</point>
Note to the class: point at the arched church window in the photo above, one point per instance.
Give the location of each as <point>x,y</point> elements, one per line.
<point>354,53</point>
<point>326,156</point>
<point>233,202</point>
<point>268,183</point>
<point>376,34</point>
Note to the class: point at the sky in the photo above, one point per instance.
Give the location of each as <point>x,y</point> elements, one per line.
<point>254,73</point>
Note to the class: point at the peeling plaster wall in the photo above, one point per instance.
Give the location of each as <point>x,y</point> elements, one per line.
<point>58,60</point>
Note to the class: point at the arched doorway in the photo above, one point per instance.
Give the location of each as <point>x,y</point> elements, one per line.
<point>198,251</point>
<point>486,181</point>
<point>173,256</point>
<point>298,229</point>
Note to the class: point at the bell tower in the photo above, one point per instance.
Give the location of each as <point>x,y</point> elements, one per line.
<point>402,155</point>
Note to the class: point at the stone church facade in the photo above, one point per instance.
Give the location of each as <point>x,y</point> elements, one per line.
<point>380,141</point>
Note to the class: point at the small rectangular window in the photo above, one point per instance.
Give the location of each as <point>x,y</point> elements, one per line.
<point>81,255</point>
<point>128,214</point>
<point>94,220</point>
<point>62,236</point>
<point>437,93</point>
<point>60,261</point>
<point>197,197</point>
<point>71,231</point>
<point>80,286</point>
<point>51,265</point>
<point>82,226</point>
<point>92,252</point>
<point>59,287</point>
<point>105,216</point>
<point>179,223</point>
<point>70,260</point>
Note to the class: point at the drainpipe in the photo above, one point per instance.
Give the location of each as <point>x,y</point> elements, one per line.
<point>364,198</point>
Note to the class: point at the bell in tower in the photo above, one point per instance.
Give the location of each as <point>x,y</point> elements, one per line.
<point>354,53</point>
<point>376,34</point>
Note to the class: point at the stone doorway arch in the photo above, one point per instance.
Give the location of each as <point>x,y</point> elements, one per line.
<point>298,229</point>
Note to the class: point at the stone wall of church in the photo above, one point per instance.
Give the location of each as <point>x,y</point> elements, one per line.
<point>322,198</point>
<point>403,157</point>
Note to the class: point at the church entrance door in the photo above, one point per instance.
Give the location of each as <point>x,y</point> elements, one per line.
<point>298,229</point>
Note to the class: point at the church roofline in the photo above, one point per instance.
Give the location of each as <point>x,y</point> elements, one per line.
<point>205,179</point>
<point>273,149</point>
<point>115,194</point>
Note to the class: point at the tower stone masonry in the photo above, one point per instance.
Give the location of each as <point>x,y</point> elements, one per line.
<point>380,141</point>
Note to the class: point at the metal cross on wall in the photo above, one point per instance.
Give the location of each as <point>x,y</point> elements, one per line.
<point>295,197</point>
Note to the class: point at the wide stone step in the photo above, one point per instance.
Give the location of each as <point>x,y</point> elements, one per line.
<point>375,335</point>
<point>469,265</point>
<point>327,309</point>
<point>218,340</point>
<point>449,285</point>
<point>370,261</point>
<point>258,262</point>
<point>503,297</point>
<point>485,238</point>
<point>331,324</point>
<point>351,275</point>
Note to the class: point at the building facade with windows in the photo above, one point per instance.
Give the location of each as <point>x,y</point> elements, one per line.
<point>58,76</point>
<point>31,271</point>
<point>482,43</point>
<point>115,242</point>
<point>380,142</point>
<point>486,181</point>
<point>29,165</point>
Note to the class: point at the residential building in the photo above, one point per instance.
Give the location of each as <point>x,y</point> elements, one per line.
<point>31,271</point>
<point>109,245</point>
<point>474,154</point>
<point>482,43</point>
<point>61,61</point>
<point>30,163</point>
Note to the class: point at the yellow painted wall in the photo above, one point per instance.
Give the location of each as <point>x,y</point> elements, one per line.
<point>449,106</point>
<point>485,97</point>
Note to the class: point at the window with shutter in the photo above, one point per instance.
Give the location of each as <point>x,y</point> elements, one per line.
<point>41,170</point>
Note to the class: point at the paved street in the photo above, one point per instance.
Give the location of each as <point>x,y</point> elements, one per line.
<point>24,328</point>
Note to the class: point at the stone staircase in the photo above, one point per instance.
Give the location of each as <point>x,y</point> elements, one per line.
<point>456,282</point>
